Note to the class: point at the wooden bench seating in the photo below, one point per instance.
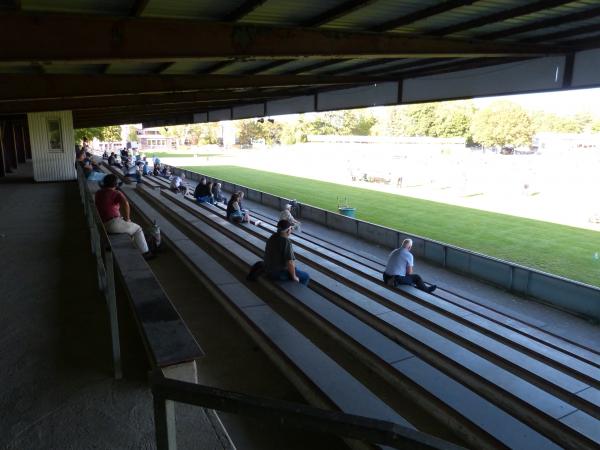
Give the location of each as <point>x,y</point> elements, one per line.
<point>438,318</point>
<point>317,376</point>
<point>375,342</point>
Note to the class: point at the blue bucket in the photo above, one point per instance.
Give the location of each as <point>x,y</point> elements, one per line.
<point>348,212</point>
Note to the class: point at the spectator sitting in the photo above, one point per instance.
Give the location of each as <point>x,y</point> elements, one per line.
<point>202,192</point>
<point>286,214</point>
<point>133,171</point>
<point>145,168</point>
<point>105,155</point>
<point>234,213</point>
<point>399,269</point>
<point>177,184</point>
<point>156,170</point>
<point>124,154</point>
<point>165,172</point>
<point>110,202</point>
<point>90,170</point>
<point>217,194</point>
<point>280,263</point>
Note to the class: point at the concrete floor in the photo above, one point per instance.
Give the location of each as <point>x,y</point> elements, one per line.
<point>56,388</point>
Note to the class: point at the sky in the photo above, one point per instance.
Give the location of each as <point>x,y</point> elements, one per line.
<point>563,102</point>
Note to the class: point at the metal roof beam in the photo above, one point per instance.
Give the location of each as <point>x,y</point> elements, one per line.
<point>341,10</point>
<point>421,14</point>
<point>23,87</point>
<point>577,31</point>
<point>14,5</point>
<point>100,39</point>
<point>498,17</point>
<point>451,66</point>
<point>243,10</point>
<point>138,7</point>
<point>541,24</point>
<point>132,101</point>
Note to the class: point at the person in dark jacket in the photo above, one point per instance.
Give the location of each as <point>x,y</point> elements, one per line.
<point>280,262</point>
<point>202,193</point>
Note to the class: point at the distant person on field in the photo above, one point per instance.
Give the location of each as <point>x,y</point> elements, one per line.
<point>110,203</point>
<point>399,269</point>
<point>202,192</point>
<point>218,194</point>
<point>280,262</point>
<point>177,184</point>
<point>286,214</point>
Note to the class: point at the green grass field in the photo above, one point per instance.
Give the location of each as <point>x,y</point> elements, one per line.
<point>557,249</point>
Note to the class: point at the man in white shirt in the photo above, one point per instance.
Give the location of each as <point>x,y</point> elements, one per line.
<point>286,214</point>
<point>177,184</point>
<point>399,269</point>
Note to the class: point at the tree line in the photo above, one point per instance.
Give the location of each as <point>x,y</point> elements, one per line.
<point>502,123</point>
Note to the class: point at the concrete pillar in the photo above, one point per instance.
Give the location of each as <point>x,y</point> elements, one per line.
<point>52,145</point>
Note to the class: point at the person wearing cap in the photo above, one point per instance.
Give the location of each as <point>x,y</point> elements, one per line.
<point>109,203</point>
<point>286,214</point>
<point>280,263</point>
<point>399,269</point>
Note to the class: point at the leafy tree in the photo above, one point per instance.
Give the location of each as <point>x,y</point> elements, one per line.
<point>453,119</point>
<point>364,124</point>
<point>502,123</point>
<point>112,133</point>
<point>132,136</point>
<point>413,120</point>
<point>595,126</point>
<point>251,129</point>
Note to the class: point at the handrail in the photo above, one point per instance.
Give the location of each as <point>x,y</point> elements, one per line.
<point>281,412</point>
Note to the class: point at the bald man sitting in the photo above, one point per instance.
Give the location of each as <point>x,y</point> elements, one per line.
<point>399,269</point>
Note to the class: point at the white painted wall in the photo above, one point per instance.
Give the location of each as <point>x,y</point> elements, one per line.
<point>48,164</point>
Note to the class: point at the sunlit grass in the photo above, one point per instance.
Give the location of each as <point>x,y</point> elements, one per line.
<point>189,154</point>
<point>558,249</point>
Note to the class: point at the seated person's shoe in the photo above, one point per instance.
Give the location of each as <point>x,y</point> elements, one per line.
<point>148,256</point>
<point>431,288</point>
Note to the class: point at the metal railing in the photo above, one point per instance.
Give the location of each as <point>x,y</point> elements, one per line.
<point>101,249</point>
<point>278,412</point>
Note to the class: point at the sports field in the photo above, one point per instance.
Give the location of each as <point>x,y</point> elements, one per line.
<point>558,249</point>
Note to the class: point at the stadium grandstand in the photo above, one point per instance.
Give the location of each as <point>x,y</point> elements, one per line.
<point>102,348</point>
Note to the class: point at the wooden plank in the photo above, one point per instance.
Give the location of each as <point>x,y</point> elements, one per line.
<point>166,336</point>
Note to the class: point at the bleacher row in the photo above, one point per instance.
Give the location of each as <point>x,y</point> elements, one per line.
<point>442,365</point>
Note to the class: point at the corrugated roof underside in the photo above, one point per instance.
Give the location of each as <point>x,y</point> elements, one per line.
<point>189,67</point>
<point>191,9</point>
<point>107,7</point>
<point>548,13</point>
<point>378,13</point>
<point>289,12</point>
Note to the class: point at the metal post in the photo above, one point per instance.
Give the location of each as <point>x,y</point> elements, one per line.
<point>111,303</point>
<point>164,423</point>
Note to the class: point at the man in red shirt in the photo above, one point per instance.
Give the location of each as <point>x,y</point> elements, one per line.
<point>109,202</point>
